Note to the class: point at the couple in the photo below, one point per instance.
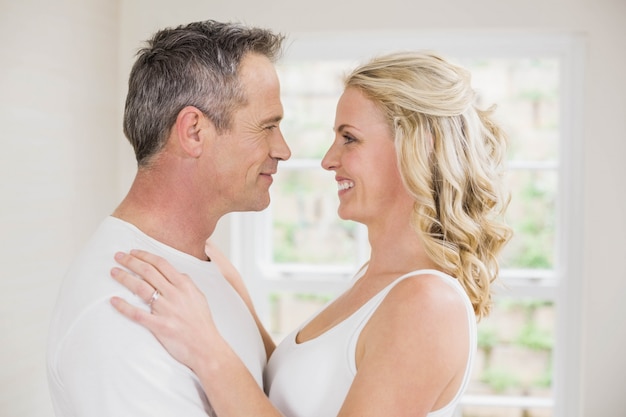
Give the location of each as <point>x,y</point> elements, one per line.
<point>415,161</point>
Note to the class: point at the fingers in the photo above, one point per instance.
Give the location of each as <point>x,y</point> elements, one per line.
<point>161,264</point>
<point>134,313</point>
<point>137,286</point>
<point>145,270</point>
<point>151,278</point>
<point>164,268</point>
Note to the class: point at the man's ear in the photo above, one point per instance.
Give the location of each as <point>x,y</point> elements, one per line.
<point>192,127</point>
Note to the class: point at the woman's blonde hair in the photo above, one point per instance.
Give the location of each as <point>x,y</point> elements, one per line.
<point>450,154</point>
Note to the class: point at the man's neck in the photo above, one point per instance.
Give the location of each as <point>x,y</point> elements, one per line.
<point>186,240</point>
<point>169,218</point>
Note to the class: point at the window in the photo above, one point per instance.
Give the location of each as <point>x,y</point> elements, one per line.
<point>298,254</point>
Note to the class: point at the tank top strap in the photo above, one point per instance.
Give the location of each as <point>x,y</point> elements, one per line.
<point>378,298</point>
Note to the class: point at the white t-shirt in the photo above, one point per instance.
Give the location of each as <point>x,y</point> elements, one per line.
<point>312,379</point>
<point>102,364</point>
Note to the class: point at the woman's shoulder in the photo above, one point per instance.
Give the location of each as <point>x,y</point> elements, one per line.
<point>426,286</point>
<point>426,296</point>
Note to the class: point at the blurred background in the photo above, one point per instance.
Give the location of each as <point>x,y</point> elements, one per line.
<point>554,344</point>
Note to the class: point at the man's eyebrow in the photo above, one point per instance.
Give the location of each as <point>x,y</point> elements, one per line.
<point>274,119</point>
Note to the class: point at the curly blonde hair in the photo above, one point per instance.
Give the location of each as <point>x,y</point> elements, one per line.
<point>450,155</point>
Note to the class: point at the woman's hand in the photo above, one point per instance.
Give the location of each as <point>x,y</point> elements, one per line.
<point>180,317</point>
<point>181,320</point>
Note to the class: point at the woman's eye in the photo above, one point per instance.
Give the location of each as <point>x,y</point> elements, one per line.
<point>348,139</point>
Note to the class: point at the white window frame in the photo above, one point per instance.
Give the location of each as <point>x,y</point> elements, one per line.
<point>250,237</point>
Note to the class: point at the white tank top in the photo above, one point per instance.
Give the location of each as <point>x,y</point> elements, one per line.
<point>312,379</point>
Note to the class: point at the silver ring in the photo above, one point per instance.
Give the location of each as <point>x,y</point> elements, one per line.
<point>155,296</point>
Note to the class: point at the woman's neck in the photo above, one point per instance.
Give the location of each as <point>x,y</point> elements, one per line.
<point>397,249</point>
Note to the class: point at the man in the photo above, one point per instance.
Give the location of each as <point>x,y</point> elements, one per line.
<point>202,113</point>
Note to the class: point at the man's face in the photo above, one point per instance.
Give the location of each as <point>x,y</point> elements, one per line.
<point>246,156</point>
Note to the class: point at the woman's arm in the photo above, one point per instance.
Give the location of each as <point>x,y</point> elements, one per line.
<point>181,320</point>
<point>234,278</point>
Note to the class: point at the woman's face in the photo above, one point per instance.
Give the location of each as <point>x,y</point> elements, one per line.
<point>363,157</point>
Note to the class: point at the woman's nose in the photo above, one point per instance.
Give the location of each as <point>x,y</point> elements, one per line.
<point>331,159</point>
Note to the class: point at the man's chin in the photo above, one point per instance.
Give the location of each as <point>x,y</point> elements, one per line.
<point>259,205</point>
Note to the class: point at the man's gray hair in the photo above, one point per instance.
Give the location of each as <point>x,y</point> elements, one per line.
<point>190,65</point>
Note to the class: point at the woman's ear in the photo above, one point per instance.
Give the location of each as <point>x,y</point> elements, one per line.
<point>191,128</point>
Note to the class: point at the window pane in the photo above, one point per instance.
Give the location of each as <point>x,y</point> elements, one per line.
<point>306,227</point>
<point>531,213</point>
<point>309,91</point>
<point>514,357</point>
<point>288,310</point>
<point>526,92</point>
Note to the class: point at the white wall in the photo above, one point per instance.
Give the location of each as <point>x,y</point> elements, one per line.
<point>58,172</point>
<point>64,163</point>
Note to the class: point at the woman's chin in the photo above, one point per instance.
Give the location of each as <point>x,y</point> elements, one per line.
<point>344,214</point>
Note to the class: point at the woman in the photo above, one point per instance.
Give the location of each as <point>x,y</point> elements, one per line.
<point>420,165</point>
